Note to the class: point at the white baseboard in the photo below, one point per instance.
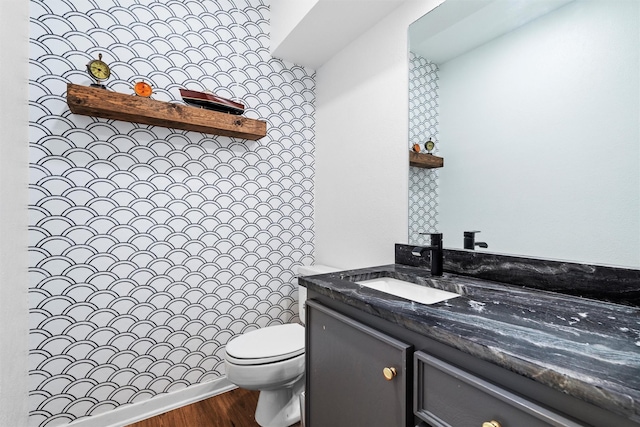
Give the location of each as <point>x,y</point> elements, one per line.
<point>129,414</point>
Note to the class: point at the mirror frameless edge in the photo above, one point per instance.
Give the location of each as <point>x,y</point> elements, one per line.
<point>461,20</point>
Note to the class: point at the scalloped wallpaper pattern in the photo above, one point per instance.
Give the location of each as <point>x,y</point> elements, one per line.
<point>423,124</point>
<point>150,247</point>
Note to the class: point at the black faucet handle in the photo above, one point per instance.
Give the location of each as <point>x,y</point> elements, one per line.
<point>469,241</point>
<point>436,238</point>
<point>435,253</point>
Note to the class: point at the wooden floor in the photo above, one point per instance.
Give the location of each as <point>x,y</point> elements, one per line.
<point>234,408</point>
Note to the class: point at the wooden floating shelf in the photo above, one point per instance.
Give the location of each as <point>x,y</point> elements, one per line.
<point>95,102</point>
<point>427,161</point>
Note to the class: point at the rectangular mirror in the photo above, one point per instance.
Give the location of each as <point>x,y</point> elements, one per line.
<point>535,108</point>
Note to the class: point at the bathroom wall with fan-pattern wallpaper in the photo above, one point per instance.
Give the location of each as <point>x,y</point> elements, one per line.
<point>424,110</point>
<point>151,247</point>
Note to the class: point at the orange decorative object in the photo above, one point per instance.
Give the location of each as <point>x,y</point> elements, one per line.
<point>416,148</point>
<point>143,89</point>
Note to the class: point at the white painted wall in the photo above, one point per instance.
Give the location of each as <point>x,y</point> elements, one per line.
<point>361,145</point>
<point>285,15</point>
<point>310,33</point>
<point>14,18</point>
<point>560,181</point>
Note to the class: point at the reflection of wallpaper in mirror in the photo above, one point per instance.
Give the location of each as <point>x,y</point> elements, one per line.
<point>423,124</point>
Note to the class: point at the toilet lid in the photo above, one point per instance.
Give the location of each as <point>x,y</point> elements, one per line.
<point>267,345</point>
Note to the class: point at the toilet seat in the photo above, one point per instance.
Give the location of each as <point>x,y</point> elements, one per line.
<point>266,345</point>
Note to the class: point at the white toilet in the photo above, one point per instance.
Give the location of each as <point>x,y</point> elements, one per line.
<point>271,360</point>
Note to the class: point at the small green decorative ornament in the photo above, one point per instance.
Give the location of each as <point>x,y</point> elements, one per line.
<point>429,145</point>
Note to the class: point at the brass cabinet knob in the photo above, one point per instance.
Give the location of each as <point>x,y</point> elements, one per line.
<point>491,423</point>
<point>389,373</point>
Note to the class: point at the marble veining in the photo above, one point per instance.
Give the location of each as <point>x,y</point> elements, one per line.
<point>619,285</point>
<point>586,348</point>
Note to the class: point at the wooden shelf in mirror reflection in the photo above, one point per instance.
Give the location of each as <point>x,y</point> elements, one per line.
<point>89,101</point>
<point>427,161</point>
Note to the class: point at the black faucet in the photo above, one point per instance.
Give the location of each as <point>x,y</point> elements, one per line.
<point>470,241</point>
<point>435,250</point>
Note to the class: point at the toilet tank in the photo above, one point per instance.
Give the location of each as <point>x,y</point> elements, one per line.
<point>310,270</point>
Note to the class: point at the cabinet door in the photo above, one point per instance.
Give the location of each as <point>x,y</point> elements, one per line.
<point>446,396</point>
<point>346,386</point>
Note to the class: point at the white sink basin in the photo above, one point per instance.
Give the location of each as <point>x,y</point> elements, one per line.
<point>408,290</point>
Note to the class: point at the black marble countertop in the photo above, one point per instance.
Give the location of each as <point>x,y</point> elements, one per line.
<point>586,348</point>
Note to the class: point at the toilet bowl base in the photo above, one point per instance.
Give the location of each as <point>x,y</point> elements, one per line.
<point>281,407</point>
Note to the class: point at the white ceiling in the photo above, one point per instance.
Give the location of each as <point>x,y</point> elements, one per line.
<point>458,26</point>
<point>330,26</point>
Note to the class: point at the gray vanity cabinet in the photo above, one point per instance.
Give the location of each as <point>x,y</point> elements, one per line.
<point>435,386</point>
<point>356,375</point>
<point>446,396</point>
